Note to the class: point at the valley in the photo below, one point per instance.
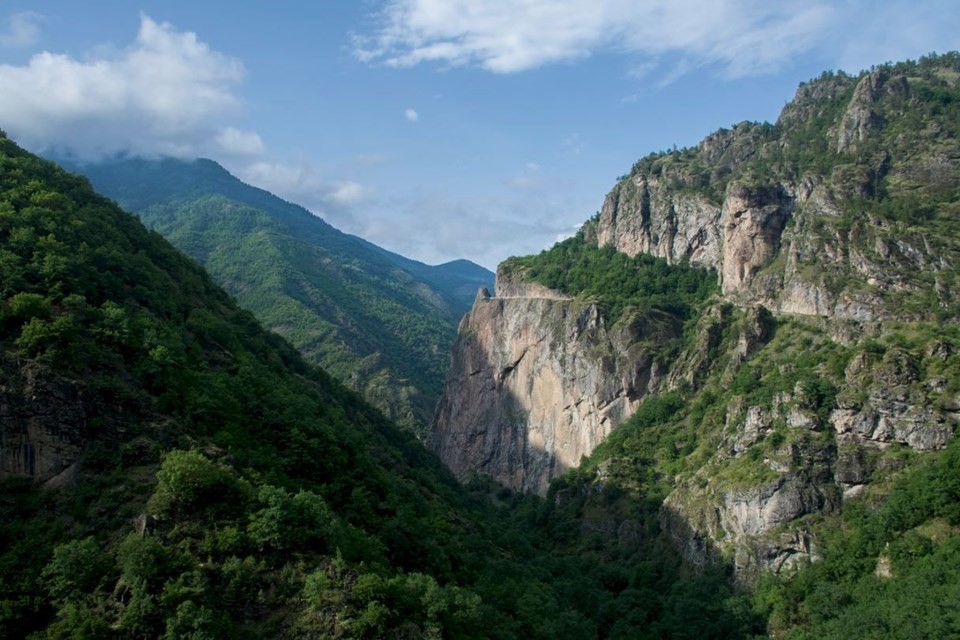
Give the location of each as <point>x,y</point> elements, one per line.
<point>724,408</point>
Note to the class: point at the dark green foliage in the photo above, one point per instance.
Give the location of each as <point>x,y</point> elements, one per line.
<point>76,570</point>
<point>284,505</point>
<point>190,485</point>
<point>227,489</point>
<point>617,282</point>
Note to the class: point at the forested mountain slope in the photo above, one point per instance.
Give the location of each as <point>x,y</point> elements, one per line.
<point>168,468</point>
<point>803,410</point>
<point>379,322</point>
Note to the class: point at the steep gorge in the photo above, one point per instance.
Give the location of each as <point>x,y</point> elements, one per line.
<point>827,362</point>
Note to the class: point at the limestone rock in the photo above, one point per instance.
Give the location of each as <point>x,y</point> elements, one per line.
<point>536,383</point>
<point>510,284</point>
<point>747,523</point>
<point>894,408</point>
<point>860,119</point>
<point>645,215</point>
<point>753,221</point>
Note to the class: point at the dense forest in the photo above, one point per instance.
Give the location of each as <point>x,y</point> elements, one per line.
<point>172,469</point>
<point>220,486</point>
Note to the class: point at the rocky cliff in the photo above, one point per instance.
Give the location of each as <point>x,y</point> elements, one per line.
<point>42,423</point>
<point>537,381</point>
<point>828,361</point>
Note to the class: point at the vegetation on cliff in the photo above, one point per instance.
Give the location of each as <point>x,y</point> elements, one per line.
<point>203,481</point>
<point>616,282</point>
<point>816,455</point>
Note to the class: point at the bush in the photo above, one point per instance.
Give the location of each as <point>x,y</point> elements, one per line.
<point>77,568</point>
<point>188,485</point>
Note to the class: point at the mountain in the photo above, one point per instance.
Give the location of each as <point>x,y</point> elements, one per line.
<point>770,413</point>
<point>379,322</point>
<point>169,468</point>
<point>460,279</point>
<point>759,335</point>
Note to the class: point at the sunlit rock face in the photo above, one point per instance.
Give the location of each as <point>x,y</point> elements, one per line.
<point>535,383</point>
<point>833,224</point>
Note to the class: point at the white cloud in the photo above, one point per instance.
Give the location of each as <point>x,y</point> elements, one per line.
<point>433,227</point>
<point>745,36</point>
<point>239,143</point>
<point>308,186</point>
<point>22,30</point>
<point>411,115</point>
<point>742,37</point>
<point>348,193</point>
<point>167,93</point>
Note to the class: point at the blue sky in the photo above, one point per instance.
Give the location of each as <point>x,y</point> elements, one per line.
<point>436,128</point>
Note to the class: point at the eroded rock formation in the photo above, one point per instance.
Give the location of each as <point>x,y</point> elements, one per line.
<point>841,244</point>
<point>538,381</point>
<point>41,426</point>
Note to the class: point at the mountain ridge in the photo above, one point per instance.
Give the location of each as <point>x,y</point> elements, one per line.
<point>792,395</point>
<point>378,321</point>
<point>169,468</point>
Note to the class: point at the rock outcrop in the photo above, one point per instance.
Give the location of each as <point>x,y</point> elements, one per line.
<point>753,222</point>
<point>787,459</point>
<point>645,215</point>
<point>830,226</point>
<point>536,383</point>
<point>41,426</point>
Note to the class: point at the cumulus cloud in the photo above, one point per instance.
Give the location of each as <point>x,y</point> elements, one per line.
<point>743,37</point>
<point>310,187</point>
<point>167,93</point>
<point>22,30</point>
<point>241,143</point>
<point>348,192</point>
<point>411,115</point>
<point>746,36</point>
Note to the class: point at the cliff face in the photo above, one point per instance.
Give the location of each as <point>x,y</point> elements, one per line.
<point>645,215</point>
<point>42,422</point>
<point>786,246</point>
<point>832,234</point>
<point>536,382</point>
<point>810,448</point>
<point>846,234</point>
